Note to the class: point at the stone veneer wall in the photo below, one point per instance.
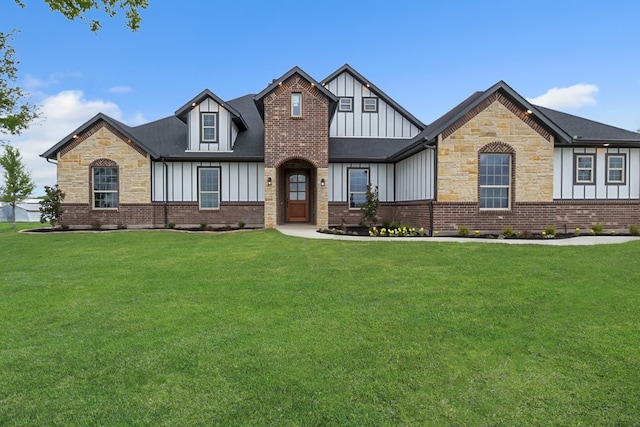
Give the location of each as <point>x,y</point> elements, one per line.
<point>288,138</point>
<point>103,142</point>
<point>496,120</point>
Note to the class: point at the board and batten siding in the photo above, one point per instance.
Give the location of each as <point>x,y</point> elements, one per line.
<point>380,174</point>
<point>386,123</point>
<point>565,188</point>
<point>415,177</point>
<point>227,130</point>
<point>239,181</point>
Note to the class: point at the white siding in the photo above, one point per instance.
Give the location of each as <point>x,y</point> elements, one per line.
<point>239,181</point>
<point>564,186</point>
<point>386,123</point>
<point>380,174</point>
<point>227,130</point>
<point>415,177</point>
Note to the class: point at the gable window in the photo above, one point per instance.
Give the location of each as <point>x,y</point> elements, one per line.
<point>357,185</point>
<point>209,188</point>
<point>584,166</point>
<point>495,181</point>
<point>105,187</point>
<point>345,104</point>
<point>616,168</point>
<point>370,105</point>
<point>209,127</point>
<point>296,105</point>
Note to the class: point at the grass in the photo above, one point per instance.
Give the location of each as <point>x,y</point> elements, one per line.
<point>257,328</point>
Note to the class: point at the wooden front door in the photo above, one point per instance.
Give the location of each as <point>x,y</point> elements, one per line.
<point>297,197</point>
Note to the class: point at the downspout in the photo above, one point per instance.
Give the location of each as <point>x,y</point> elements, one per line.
<point>165,178</point>
<point>435,183</point>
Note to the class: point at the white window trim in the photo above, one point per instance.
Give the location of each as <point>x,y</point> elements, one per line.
<point>508,186</point>
<point>623,169</point>
<point>200,191</point>
<point>349,107</point>
<point>372,107</point>
<point>591,169</point>
<point>299,95</point>
<point>214,127</point>
<point>94,191</point>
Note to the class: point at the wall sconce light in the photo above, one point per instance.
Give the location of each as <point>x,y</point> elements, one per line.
<point>528,112</point>
<point>269,181</point>
<point>322,183</point>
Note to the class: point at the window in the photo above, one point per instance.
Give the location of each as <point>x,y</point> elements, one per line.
<point>105,187</point>
<point>345,104</point>
<point>209,127</point>
<point>584,165</point>
<point>495,181</point>
<point>358,181</point>
<point>296,105</point>
<point>370,105</point>
<point>616,168</point>
<point>209,188</point>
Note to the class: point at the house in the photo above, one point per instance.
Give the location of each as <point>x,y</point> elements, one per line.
<point>303,151</point>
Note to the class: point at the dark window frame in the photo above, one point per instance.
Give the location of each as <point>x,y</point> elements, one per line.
<point>623,181</point>
<point>215,128</point>
<point>367,171</point>
<point>364,103</point>
<point>218,191</point>
<point>350,110</point>
<point>576,169</point>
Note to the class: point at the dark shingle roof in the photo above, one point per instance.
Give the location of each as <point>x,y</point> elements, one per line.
<point>365,149</point>
<point>585,130</point>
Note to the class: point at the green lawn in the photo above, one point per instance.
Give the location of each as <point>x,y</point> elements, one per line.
<point>256,328</point>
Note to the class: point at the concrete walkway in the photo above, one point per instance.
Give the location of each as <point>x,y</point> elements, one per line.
<point>309,232</point>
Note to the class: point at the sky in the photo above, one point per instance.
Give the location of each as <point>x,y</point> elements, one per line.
<point>579,57</point>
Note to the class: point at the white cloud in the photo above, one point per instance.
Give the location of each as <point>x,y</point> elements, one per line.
<point>576,96</point>
<point>120,89</point>
<point>61,114</point>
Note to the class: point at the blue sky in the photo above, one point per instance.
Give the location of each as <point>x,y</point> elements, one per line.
<point>580,57</point>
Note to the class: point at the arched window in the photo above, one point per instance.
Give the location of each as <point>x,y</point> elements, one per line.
<point>495,173</point>
<point>104,184</point>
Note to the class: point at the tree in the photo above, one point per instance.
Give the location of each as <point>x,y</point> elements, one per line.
<point>370,207</point>
<point>18,184</point>
<point>15,113</point>
<point>78,9</point>
<point>51,206</point>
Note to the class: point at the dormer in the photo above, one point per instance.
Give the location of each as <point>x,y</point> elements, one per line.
<point>366,111</point>
<point>213,125</point>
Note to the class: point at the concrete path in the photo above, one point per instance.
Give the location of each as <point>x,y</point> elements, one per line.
<point>309,232</point>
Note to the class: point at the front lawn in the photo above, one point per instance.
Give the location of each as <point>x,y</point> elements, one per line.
<point>257,328</point>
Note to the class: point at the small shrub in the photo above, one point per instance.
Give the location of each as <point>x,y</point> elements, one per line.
<point>634,230</point>
<point>463,231</point>
<point>550,231</point>
<point>241,224</point>
<point>526,234</point>
<point>394,225</point>
<point>598,228</point>
<point>436,233</point>
<point>507,232</point>
<point>96,224</point>
<point>577,232</point>
<point>203,225</point>
<point>386,223</point>
<point>171,225</point>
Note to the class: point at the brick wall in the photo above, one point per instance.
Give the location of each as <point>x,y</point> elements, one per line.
<point>153,215</point>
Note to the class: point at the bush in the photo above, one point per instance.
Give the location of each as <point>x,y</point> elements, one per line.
<point>634,230</point>
<point>203,225</point>
<point>463,231</point>
<point>507,232</point>
<point>550,230</point>
<point>51,206</point>
<point>171,225</point>
<point>370,207</point>
<point>598,228</point>
<point>241,224</point>
<point>96,224</point>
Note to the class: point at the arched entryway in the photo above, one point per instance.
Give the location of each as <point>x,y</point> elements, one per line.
<point>297,194</point>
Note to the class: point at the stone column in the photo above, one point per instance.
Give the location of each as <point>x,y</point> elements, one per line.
<point>270,202</point>
<point>322,210</point>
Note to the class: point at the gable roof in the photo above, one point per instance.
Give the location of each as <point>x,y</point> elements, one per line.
<point>459,111</point>
<point>259,98</point>
<point>346,68</point>
<point>123,129</point>
<point>183,111</point>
